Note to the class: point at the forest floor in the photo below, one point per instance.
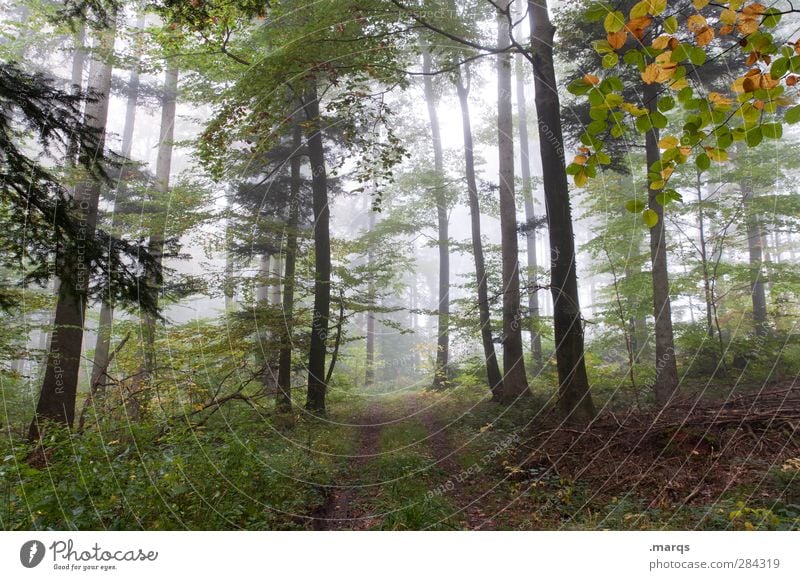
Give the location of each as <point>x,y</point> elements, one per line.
<point>458,461</point>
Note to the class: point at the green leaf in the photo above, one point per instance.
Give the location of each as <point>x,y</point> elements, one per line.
<point>659,121</point>
<point>643,124</point>
<point>681,52</point>
<point>666,103</point>
<point>753,137</point>
<point>772,17</point>
<point>772,130</point>
<point>703,162</point>
<point>697,55</point>
<point>779,67</point>
<point>596,127</point>
<point>792,115</point>
<point>579,87</point>
<point>610,60</point>
<point>650,218</point>
<point>635,206</point>
<point>596,11</point>
<point>614,21</point>
<point>671,25</point>
<point>603,158</point>
<point>685,94</point>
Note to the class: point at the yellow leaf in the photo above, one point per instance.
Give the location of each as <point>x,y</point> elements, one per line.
<point>696,22</point>
<point>641,8</point>
<point>650,73</point>
<point>719,100</point>
<point>657,6</point>
<point>581,178</point>
<point>727,16</point>
<point>661,42</point>
<point>700,4</point>
<point>681,83</point>
<point>668,142</point>
<point>716,154</point>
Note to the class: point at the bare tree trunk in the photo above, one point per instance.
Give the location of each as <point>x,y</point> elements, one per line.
<point>60,384</point>
<point>369,372</point>
<point>155,245</point>
<point>493,374</point>
<point>755,251</point>
<point>666,366</point>
<point>317,388</point>
<point>530,214</point>
<point>515,382</point>
<point>104,330</point>
<point>442,371</point>
<point>575,400</point>
<point>283,401</point>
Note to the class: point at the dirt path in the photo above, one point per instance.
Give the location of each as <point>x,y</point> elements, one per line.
<point>466,494</point>
<point>343,507</point>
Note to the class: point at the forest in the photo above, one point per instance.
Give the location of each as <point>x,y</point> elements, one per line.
<point>399,265</point>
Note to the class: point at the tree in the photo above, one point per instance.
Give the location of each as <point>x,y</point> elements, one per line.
<point>575,402</point>
<point>441,370</point>
<point>485,320</point>
<point>515,382</point>
<point>60,384</point>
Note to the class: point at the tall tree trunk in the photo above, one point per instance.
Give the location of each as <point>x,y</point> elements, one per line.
<point>530,213</point>
<point>515,382</point>
<point>484,314</point>
<point>283,401</point>
<point>315,400</point>
<point>442,371</point>
<point>104,330</point>
<point>666,366</point>
<point>701,227</point>
<point>575,401</point>
<point>60,384</point>
<point>369,371</point>
<point>755,251</point>
<point>155,245</point>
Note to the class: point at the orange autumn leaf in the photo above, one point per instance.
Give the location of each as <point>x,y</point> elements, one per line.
<point>637,26</point>
<point>704,36</point>
<point>617,39</point>
<point>747,24</point>
<point>591,79</point>
<point>791,80</point>
<point>719,100</point>
<point>754,9</point>
<point>727,29</point>
<point>579,160</point>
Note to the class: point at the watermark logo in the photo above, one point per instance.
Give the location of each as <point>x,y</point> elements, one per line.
<point>31,553</point>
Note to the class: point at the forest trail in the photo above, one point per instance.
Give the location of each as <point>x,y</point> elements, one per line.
<point>340,511</point>
<point>361,499</point>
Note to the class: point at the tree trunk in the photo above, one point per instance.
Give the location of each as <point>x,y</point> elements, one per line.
<point>492,367</point>
<point>283,401</point>
<point>755,251</point>
<point>104,329</point>
<point>442,371</point>
<point>530,214</point>
<point>515,382</point>
<point>155,245</point>
<point>369,371</point>
<point>575,401</point>
<point>315,400</point>
<point>60,384</point>
<point>666,367</point>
